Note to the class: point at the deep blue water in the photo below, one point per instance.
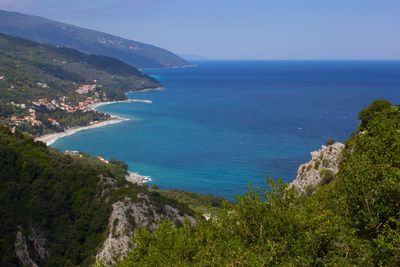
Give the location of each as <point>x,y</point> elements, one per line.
<point>223,125</point>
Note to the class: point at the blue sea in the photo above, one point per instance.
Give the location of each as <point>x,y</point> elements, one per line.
<point>223,125</point>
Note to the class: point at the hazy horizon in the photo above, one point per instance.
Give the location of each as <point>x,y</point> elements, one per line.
<point>233,30</point>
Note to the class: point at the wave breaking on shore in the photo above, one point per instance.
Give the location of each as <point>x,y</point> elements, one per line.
<point>137,178</point>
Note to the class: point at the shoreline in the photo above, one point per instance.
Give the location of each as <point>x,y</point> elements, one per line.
<point>160,88</point>
<point>100,104</point>
<point>174,67</point>
<point>132,177</point>
<point>50,139</point>
<point>136,178</point>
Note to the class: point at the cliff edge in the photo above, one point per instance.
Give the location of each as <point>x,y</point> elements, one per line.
<point>321,169</point>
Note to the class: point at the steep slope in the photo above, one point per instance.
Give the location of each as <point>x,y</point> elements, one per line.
<point>351,220</point>
<point>46,89</point>
<point>321,169</point>
<point>88,41</point>
<point>63,210</point>
<point>30,70</point>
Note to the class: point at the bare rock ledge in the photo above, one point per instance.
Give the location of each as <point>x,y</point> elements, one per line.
<point>322,167</point>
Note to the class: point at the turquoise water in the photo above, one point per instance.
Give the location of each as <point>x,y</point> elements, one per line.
<point>223,125</point>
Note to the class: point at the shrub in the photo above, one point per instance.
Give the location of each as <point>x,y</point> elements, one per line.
<point>326,176</point>
<point>317,164</point>
<point>330,142</point>
<point>353,220</point>
<point>372,110</point>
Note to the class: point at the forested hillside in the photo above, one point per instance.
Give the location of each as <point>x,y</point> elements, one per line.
<point>87,41</point>
<point>55,208</point>
<point>353,220</point>
<point>45,89</point>
<point>31,70</point>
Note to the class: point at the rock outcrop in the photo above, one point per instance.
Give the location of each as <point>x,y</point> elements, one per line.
<point>321,169</point>
<point>128,215</point>
<point>30,247</point>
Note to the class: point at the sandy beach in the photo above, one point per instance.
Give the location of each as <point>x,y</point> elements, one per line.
<point>49,139</point>
<point>52,138</point>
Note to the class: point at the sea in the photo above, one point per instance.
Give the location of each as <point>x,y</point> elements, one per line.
<point>222,126</point>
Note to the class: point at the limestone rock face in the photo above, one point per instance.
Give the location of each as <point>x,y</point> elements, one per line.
<point>128,215</point>
<point>322,167</point>
<point>30,247</point>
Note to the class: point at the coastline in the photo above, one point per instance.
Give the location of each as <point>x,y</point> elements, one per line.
<point>160,88</point>
<point>174,67</point>
<point>137,178</point>
<point>93,107</point>
<point>50,139</point>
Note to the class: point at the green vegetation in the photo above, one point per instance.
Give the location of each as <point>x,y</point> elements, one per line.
<point>88,41</point>
<point>30,72</point>
<point>65,199</point>
<point>351,220</point>
<point>374,109</point>
<point>327,176</point>
<point>199,203</point>
<point>59,196</point>
<point>330,142</point>
<point>316,164</point>
<point>60,71</point>
<point>309,167</point>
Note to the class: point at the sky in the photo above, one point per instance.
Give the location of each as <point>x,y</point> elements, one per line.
<point>239,29</point>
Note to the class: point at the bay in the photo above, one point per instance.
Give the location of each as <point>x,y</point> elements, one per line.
<point>223,125</point>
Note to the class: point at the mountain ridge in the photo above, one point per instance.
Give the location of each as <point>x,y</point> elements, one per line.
<point>56,33</point>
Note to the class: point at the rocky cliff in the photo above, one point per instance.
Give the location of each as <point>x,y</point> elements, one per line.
<point>128,215</point>
<point>30,247</point>
<point>321,169</point>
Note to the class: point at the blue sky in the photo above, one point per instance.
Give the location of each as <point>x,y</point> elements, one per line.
<point>239,29</point>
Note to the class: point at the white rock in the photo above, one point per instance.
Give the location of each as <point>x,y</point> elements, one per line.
<point>327,158</point>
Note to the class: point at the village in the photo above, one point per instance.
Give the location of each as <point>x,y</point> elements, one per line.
<point>47,105</point>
